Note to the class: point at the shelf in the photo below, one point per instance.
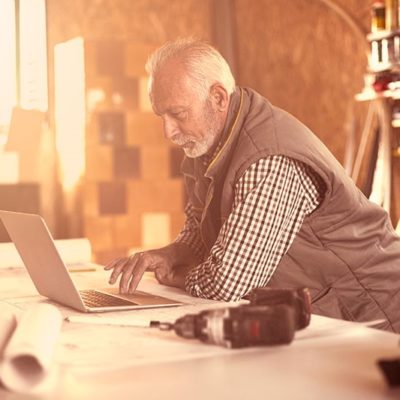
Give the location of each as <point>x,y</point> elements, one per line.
<point>384,67</point>
<point>370,94</point>
<point>383,114</point>
<point>384,34</point>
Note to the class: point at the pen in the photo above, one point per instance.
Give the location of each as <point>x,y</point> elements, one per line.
<point>81,269</point>
<point>105,321</point>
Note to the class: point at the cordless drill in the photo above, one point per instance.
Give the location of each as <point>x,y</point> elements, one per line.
<point>271,318</point>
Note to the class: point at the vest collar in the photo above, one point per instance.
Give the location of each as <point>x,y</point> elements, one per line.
<point>228,135</point>
<point>220,151</point>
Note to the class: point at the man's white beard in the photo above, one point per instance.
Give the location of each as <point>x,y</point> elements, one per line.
<point>200,148</point>
<point>212,127</point>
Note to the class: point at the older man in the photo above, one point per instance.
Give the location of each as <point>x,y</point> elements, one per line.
<point>268,204</point>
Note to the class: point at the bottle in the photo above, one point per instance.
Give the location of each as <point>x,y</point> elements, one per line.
<point>391,14</point>
<point>378,16</point>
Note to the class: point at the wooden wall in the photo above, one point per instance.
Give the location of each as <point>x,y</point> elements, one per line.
<point>132,192</point>
<point>306,56</point>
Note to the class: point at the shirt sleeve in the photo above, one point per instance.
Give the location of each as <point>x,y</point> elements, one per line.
<point>271,201</point>
<point>190,233</point>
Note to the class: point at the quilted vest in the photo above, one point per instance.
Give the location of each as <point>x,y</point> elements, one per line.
<point>346,251</point>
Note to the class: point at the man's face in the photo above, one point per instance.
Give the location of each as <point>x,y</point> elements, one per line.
<point>188,121</point>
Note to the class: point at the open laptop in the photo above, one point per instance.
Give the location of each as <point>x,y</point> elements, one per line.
<point>48,272</point>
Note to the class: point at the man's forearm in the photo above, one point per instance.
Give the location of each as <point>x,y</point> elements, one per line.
<point>180,254</point>
<point>182,259</point>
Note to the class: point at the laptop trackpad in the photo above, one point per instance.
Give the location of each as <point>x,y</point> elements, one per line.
<point>139,297</point>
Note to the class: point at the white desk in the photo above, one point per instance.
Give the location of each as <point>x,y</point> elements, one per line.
<point>329,360</point>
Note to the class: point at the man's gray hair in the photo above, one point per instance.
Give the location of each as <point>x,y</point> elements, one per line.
<point>205,65</point>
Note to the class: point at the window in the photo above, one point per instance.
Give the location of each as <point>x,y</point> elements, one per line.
<point>23,58</point>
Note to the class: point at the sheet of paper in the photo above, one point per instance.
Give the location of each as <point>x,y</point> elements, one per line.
<point>72,251</point>
<point>91,348</point>
<point>28,355</point>
<point>119,344</point>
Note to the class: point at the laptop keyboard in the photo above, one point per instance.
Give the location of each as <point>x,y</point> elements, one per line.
<point>93,298</point>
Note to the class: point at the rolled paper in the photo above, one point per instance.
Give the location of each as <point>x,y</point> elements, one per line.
<point>29,354</point>
<point>8,323</point>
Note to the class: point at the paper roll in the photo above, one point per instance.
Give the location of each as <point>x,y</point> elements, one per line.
<point>8,323</point>
<point>72,251</point>
<point>28,356</point>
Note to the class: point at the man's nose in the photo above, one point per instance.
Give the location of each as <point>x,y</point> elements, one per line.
<point>170,127</point>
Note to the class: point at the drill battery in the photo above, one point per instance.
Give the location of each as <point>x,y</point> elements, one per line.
<point>298,299</point>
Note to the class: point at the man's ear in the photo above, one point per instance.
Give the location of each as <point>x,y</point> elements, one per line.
<point>219,97</point>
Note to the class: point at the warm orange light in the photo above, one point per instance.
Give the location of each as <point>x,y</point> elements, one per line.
<point>70,110</point>
<point>8,77</point>
<point>94,97</point>
<point>33,55</point>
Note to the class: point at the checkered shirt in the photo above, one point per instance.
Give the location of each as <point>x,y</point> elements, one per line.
<point>271,200</point>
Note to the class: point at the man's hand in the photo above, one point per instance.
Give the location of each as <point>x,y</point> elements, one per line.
<point>131,269</point>
<point>176,277</point>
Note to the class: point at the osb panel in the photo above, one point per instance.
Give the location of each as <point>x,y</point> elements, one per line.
<point>103,257</point>
<point>358,10</point>
<point>127,231</point>
<point>90,199</point>
<point>136,55</point>
<point>155,196</point>
<point>99,232</point>
<point>144,129</point>
<point>155,229</point>
<point>99,163</point>
<point>143,21</point>
<point>306,58</point>
<point>155,162</point>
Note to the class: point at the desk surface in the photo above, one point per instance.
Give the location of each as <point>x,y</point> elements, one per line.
<point>330,359</point>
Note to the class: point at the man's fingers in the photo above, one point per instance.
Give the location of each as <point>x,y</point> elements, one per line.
<point>136,277</point>
<point>130,270</point>
<point>113,263</point>
<point>125,277</point>
<point>132,274</point>
<point>117,270</point>
<point>119,266</point>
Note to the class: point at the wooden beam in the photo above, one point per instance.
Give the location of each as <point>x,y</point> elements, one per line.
<point>223,29</point>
